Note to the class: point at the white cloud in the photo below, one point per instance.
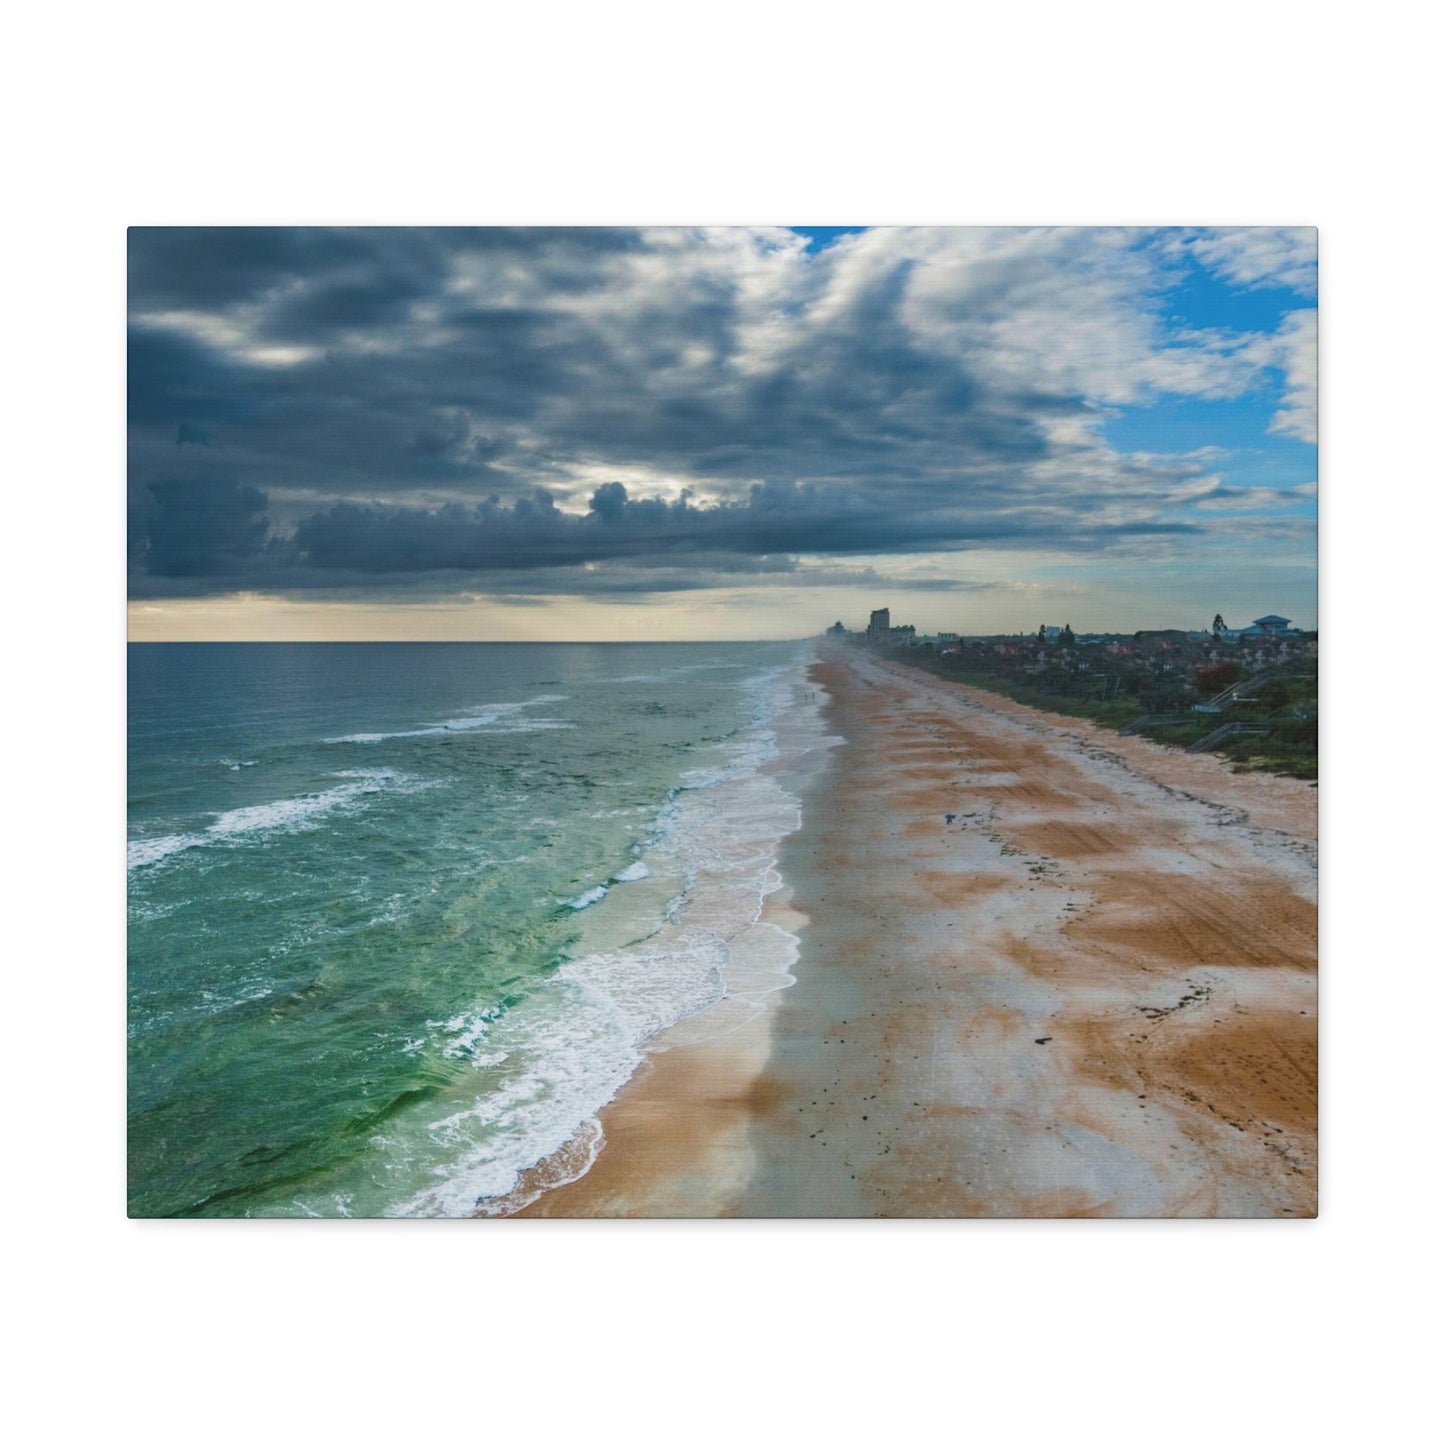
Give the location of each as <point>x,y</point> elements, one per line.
<point>233,332</point>
<point>1079,310</point>
<point>1260,255</point>
<point>1297,355</point>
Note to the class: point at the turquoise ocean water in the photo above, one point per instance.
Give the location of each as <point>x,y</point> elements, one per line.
<point>402,916</point>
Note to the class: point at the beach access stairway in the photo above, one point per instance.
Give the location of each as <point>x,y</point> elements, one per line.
<point>1222,734</point>
<point>1152,720</point>
<point>1245,688</point>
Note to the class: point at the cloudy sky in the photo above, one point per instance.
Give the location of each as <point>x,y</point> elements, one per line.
<point>732,432</point>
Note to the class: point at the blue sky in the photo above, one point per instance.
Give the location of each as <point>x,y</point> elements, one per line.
<point>1253,456</point>
<point>1203,300</point>
<point>820,237</point>
<point>729,431</point>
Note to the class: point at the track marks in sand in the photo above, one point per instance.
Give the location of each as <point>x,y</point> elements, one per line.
<point>955,890</point>
<point>1169,921</point>
<point>1258,1070</point>
<point>1161,942</point>
<point>1069,840</point>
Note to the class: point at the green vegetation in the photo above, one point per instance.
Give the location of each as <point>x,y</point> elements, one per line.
<point>1115,713</point>
<point>1290,747</point>
<point>1158,679</point>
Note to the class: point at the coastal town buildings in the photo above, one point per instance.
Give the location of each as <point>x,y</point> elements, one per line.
<point>1270,625</point>
<point>1264,675</point>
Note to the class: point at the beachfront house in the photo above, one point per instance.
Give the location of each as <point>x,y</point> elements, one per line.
<point>1270,625</point>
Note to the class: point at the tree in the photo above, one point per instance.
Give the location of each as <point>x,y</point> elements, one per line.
<point>1218,624</point>
<point>1043,635</point>
<point>1066,637</point>
<point>1211,679</point>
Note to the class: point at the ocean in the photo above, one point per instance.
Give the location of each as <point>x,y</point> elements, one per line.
<point>402,917</point>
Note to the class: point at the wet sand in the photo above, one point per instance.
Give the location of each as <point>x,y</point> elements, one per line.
<point>1091,993</point>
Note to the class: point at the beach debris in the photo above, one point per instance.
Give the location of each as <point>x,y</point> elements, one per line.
<point>1047,1039</point>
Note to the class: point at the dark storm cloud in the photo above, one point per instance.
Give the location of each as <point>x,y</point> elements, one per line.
<point>444,402</point>
<point>533,532</point>
<point>175,381</point>
<point>177,268</point>
<point>343,278</point>
<point>188,434</point>
<point>204,528</point>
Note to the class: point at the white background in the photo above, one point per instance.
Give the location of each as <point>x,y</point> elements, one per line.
<point>776,112</point>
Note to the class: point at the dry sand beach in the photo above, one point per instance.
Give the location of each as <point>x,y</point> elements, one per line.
<point>1092,993</point>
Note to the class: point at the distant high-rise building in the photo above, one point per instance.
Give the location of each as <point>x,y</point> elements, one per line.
<point>878,624</point>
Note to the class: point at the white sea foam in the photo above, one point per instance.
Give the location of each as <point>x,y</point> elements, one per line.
<point>282,815</point>
<point>213,1003</point>
<point>500,716</point>
<point>392,910</point>
<point>468,1032</point>
<point>141,851</point>
<point>587,899</point>
<point>567,1054</point>
<point>564,1053</point>
<point>654,986</point>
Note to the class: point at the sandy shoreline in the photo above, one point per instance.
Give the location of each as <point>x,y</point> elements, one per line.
<point>1092,993</point>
